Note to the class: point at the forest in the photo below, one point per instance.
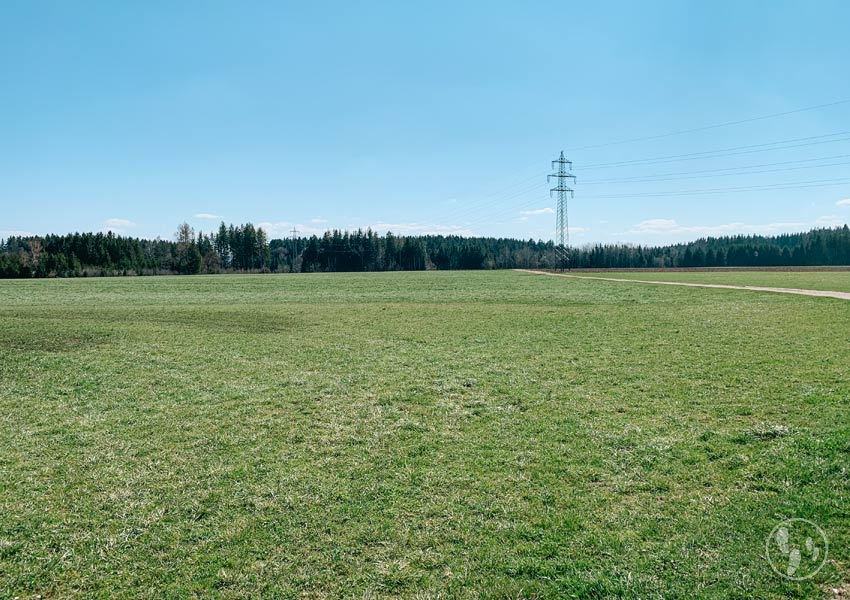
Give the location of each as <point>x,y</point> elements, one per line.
<point>247,249</point>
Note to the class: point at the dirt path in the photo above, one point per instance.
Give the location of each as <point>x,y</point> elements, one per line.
<point>752,288</point>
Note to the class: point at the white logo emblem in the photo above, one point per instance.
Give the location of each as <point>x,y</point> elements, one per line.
<point>797,549</point>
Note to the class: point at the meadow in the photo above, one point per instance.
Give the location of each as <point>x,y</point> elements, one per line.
<point>417,435</point>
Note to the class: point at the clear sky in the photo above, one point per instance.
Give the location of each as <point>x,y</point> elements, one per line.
<point>424,117</point>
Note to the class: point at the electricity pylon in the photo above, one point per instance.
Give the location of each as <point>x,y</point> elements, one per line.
<point>562,223</point>
<point>295,245</point>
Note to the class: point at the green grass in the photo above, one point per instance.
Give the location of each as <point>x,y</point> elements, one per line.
<point>836,281</point>
<point>415,435</point>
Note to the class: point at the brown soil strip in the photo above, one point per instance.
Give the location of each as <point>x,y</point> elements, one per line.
<point>822,269</point>
<point>752,288</point>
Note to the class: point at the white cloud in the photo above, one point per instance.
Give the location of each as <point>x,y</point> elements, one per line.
<point>830,221</point>
<point>538,211</point>
<point>845,202</point>
<point>283,229</point>
<point>274,230</point>
<point>421,229</point>
<point>318,220</point>
<point>209,216</point>
<point>117,225</point>
<point>120,223</point>
<point>656,226</point>
<point>671,226</point>
<point>7,233</point>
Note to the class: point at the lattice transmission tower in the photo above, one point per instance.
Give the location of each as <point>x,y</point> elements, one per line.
<point>562,222</point>
<point>294,233</point>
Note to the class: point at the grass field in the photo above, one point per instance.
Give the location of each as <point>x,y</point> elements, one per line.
<point>417,435</point>
<point>836,281</point>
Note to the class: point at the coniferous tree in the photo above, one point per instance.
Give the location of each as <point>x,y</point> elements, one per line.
<point>247,248</point>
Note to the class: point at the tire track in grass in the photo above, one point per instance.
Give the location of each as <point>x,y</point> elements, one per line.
<point>752,288</point>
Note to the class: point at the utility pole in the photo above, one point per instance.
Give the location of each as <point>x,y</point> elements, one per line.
<point>562,223</point>
<point>295,246</point>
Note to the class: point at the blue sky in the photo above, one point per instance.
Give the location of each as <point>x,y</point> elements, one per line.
<point>423,117</point>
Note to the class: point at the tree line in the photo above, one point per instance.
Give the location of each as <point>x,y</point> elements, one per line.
<point>246,248</point>
<point>230,249</point>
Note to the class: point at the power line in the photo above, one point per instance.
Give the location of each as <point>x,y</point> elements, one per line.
<point>504,212</point>
<point>467,211</point>
<point>504,188</point>
<point>774,186</point>
<point>502,194</point>
<point>475,205</point>
<point>511,208</point>
<point>716,169</point>
<point>724,151</point>
<point>496,216</point>
<point>510,191</point>
<point>711,174</point>
<point>707,127</point>
<point>696,129</point>
<point>487,217</point>
<point>516,209</point>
